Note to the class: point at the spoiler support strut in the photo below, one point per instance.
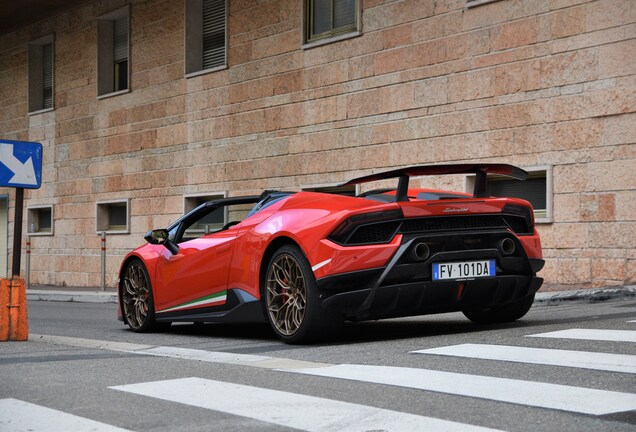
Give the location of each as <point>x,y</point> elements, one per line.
<point>480,185</point>
<point>402,192</point>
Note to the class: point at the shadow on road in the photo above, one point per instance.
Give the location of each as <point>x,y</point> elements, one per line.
<point>375,331</point>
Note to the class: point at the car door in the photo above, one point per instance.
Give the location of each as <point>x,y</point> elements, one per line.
<point>197,275</point>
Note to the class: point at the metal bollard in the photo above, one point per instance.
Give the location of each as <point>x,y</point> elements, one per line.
<point>103,235</point>
<point>28,264</point>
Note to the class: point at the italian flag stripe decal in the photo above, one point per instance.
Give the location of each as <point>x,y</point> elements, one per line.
<point>211,300</point>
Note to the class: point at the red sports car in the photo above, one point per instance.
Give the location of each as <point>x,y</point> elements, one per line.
<point>307,261</point>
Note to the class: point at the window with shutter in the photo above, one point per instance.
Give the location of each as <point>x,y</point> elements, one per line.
<point>213,33</point>
<point>537,189</point>
<point>327,19</point>
<point>47,76</point>
<point>113,57</point>
<point>206,36</point>
<point>120,53</point>
<point>41,74</point>
<point>533,190</point>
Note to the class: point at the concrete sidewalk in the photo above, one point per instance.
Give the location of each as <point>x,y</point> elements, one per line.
<point>95,295</point>
<point>71,294</point>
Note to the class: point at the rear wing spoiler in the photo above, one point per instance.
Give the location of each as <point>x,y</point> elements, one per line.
<point>480,171</point>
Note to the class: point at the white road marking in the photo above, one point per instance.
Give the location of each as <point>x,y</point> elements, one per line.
<point>88,343</point>
<point>285,409</point>
<point>20,416</point>
<point>634,321</point>
<point>561,397</point>
<point>531,393</point>
<point>202,355</point>
<point>265,362</point>
<point>576,359</point>
<point>591,334</point>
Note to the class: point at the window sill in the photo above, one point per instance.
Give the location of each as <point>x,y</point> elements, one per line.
<point>204,71</point>
<point>39,234</point>
<point>117,93</point>
<point>325,41</point>
<point>113,232</point>
<point>543,220</point>
<point>42,111</point>
<point>475,3</point>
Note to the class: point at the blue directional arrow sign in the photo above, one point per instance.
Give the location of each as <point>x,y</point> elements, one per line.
<point>20,164</point>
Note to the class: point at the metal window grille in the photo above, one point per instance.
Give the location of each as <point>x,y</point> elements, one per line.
<point>214,17</point>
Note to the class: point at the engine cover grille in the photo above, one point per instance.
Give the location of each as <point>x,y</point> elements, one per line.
<point>383,232</point>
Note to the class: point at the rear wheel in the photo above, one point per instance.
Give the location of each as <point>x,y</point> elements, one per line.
<point>500,314</point>
<point>137,300</point>
<point>291,299</point>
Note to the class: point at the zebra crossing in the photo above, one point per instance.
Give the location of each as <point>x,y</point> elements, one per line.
<point>313,413</point>
<point>19,416</point>
<point>591,334</point>
<point>552,357</point>
<point>308,414</point>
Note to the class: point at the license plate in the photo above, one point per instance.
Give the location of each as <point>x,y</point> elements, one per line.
<point>464,270</point>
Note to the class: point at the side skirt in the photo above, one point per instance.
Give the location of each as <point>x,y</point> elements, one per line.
<point>239,307</point>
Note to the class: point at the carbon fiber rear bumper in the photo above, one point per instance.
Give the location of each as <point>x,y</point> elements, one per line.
<point>421,298</point>
<point>404,288</point>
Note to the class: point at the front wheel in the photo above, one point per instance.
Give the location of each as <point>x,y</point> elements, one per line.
<point>137,300</point>
<point>501,314</point>
<point>291,299</point>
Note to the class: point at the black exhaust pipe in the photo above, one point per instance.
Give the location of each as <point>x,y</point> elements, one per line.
<point>507,246</point>
<point>420,252</point>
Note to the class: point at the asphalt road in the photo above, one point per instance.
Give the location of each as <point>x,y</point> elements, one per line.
<point>87,367</point>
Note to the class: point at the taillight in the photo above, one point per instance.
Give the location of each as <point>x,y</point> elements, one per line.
<point>368,228</point>
<point>523,212</point>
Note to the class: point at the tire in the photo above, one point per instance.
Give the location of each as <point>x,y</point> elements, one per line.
<point>292,304</point>
<point>137,302</point>
<point>501,314</point>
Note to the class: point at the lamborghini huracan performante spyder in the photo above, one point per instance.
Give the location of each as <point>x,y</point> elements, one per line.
<point>307,261</point>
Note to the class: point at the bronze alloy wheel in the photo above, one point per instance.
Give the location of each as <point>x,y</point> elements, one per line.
<point>286,294</point>
<point>136,296</point>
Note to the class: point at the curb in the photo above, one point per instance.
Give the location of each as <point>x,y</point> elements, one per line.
<point>591,295</point>
<point>72,296</point>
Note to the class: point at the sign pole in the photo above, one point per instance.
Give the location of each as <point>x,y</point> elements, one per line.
<point>17,231</point>
<point>20,168</point>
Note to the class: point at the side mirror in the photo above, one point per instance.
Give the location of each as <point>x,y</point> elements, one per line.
<point>158,236</point>
<point>161,237</point>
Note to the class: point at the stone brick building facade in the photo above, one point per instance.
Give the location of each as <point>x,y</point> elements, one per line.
<point>548,85</point>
